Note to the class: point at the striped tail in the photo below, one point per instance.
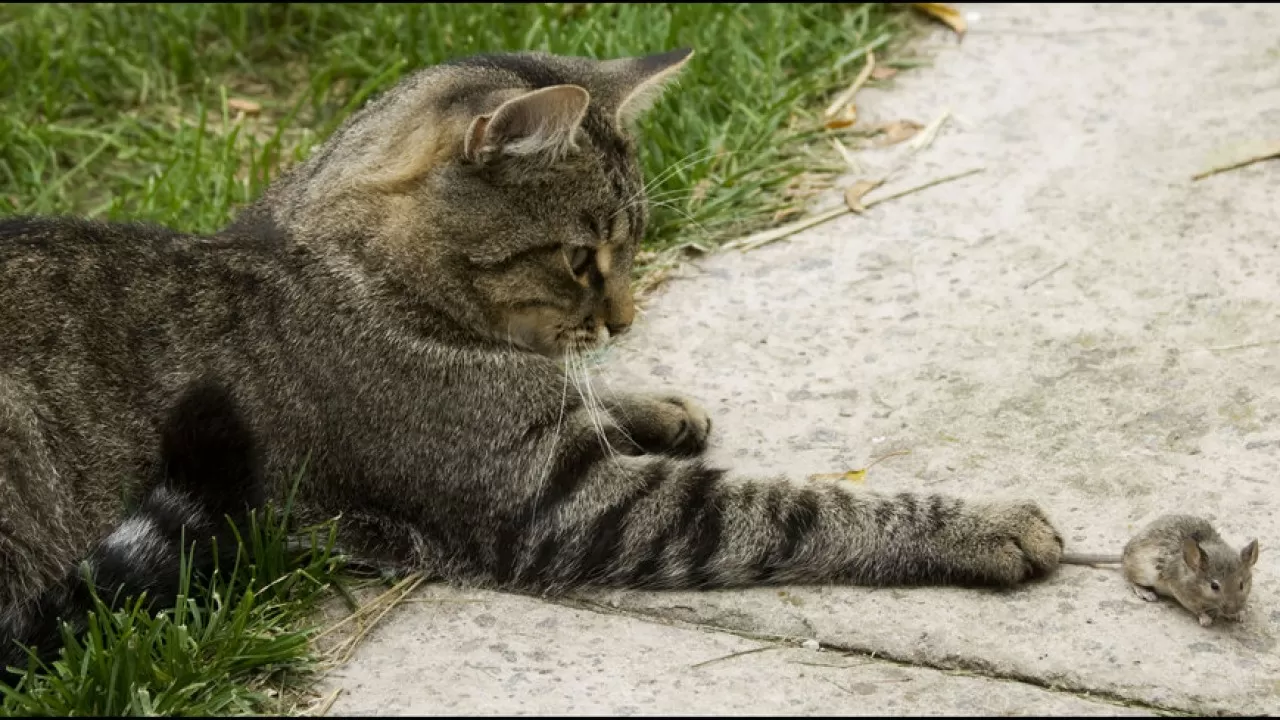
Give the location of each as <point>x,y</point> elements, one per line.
<point>208,474</point>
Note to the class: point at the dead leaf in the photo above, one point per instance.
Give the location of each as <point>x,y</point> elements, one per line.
<point>855,476</point>
<point>843,119</point>
<point>1240,156</point>
<point>858,476</point>
<point>926,136</point>
<point>805,185</point>
<point>845,98</point>
<point>899,131</point>
<point>853,194</point>
<point>849,158</point>
<point>248,107</point>
<point>945,14</point>
<point>786,212</point>
<point>760,239</point>
<point>883,72</point>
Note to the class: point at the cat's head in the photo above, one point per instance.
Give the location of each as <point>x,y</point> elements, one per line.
<point>500,190</point>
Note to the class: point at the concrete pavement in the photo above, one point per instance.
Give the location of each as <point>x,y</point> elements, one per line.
<point>1080,324</point>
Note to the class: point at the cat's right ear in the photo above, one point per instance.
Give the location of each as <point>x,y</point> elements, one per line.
<point>542,121</point>
<point>644,79</point>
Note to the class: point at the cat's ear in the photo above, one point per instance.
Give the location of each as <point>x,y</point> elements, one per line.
<point>643,80</point>
<point>539,121</point>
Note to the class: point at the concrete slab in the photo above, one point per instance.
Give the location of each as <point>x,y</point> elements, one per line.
<point>1080,324</point>
<point>473,652</point>
<point>1126,384</point>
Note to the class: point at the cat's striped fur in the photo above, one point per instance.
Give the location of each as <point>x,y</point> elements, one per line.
<point>405,309</point>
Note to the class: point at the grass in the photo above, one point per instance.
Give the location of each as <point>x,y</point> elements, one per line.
<point>218,651</point>
<point>122,111</point>
<point>136,112</point>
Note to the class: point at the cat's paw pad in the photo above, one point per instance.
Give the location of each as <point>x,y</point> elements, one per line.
<point>1026,545</point>
<point>692,427</point>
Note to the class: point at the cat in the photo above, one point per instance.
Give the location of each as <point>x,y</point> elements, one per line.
<point>401,311</point>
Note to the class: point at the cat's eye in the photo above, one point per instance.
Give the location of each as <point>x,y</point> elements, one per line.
<point>580,260</point>
<point>1213,585</point>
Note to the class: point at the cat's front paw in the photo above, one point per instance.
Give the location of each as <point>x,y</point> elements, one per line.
<point>1015,542</point>
<point>660,424</point>
<point>692,427</point>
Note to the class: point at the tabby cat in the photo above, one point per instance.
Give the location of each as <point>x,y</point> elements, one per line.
<point>396,311</point>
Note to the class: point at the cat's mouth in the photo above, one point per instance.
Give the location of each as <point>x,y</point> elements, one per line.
<point>537,330</point>
<point>582,339</point>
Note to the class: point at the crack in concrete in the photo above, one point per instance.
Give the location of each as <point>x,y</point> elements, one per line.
<point>951,665</point>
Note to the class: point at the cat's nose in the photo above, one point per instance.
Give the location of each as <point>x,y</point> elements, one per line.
<point>619,307</point>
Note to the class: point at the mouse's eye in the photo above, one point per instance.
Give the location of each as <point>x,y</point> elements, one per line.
<point>1241,584</point>
<point>1213,585</point>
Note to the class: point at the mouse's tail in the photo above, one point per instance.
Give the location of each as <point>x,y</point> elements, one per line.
<point>1090,559</point>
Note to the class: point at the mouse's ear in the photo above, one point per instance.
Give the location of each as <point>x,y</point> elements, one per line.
<point>1194,555</point>
<point>1249,555</point>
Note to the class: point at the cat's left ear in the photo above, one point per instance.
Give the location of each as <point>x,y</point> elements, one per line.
<point>643,80</point>
<point>540,121</point>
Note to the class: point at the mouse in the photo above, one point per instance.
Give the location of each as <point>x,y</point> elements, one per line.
<point>1184,557</point>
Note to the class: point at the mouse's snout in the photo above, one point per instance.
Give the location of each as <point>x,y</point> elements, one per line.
<point>1234,601</point>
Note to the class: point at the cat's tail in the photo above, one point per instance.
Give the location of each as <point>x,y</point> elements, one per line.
<point>208,484</point>
<point>662,522</point>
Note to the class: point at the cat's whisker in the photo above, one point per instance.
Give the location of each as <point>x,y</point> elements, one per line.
<point>574,363</point>
<point>639,195</point>
<point>685,213</point>
<point>685,162</point>
<point>666,194</point>
<point>554,445</point>
<point>593,357</point>
<point>601,417</point>
<point>681,164</point>
<point>595,411</point>
<point>666,202</point>
<point>626,421</point>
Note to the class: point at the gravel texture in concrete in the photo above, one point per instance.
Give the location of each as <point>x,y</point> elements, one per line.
<point>459,652</point>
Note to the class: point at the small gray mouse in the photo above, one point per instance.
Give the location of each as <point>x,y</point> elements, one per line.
<point>1183,557</point>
